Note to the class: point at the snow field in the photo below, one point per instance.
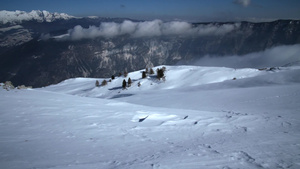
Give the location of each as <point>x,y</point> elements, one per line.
<point>191,120</point>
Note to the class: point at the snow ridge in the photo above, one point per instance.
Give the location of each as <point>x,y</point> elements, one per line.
<point>17,16</point>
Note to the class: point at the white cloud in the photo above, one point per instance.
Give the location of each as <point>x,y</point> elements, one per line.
<point>276,56</point>
<point>128,27</point>
<point>175,28</point>
<point>148,29</point>
<point>244,3</point>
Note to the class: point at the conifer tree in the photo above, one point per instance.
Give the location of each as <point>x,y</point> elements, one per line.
<point>129,82</point>
<point>144,75</point>
<point>112,77</point>
<point>104,82</point>
<point>125,73</point>
<point>97,83</point>
<point>151,71</point>
<point>160,73</point>
<point>124,84</point>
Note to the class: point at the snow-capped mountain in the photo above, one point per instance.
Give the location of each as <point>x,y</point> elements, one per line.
<point>16,17</point>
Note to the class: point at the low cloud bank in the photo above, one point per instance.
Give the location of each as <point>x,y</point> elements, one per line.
<point>273,57</point>
<point>147,29</point>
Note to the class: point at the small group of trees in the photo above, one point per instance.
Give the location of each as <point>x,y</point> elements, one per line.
<point>160,73</point>
<point>125,73</point>
<point>103,83</point>
<point>126,84</point>
<point>147,71</point>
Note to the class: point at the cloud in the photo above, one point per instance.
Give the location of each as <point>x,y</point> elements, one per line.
<point>273,57</point>
<point>148,29</point>
<point>244,3</point>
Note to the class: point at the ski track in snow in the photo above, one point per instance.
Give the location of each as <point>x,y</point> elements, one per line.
<point>156,126</point>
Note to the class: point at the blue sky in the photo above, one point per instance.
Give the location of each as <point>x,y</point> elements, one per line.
<point>189,10</point>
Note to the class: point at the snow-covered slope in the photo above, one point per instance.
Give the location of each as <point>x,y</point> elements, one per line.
<point>198,118</point>
<point>40,16</point>
<point>177,77</point>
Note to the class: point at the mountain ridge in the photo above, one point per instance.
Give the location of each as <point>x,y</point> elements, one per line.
<point>33,53</point>
<point>16,17</point>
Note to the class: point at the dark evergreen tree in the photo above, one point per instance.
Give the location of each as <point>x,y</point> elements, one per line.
<point>129,82</point>
<point>151,71</point>
<point>124,84</point>
<point>112,77</point>
<point>144,75</point>
<point>160,73</point>
<point>104,82</point>
<point>97,83</point>
<point>125,73</point>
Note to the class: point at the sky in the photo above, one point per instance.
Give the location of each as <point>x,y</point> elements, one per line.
<point>186,10</point>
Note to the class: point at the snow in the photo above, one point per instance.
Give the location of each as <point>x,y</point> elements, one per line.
<point>198,118</point>
<point>40,16</point>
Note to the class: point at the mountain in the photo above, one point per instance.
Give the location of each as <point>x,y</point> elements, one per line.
<point>200,117</point>
<point>40,53</point>
<point>17,17</point>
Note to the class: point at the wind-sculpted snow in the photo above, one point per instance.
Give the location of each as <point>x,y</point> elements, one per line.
<point>198,118</point>
<point>148,29</point>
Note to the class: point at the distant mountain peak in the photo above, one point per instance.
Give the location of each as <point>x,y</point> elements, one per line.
<point>17,16</point>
